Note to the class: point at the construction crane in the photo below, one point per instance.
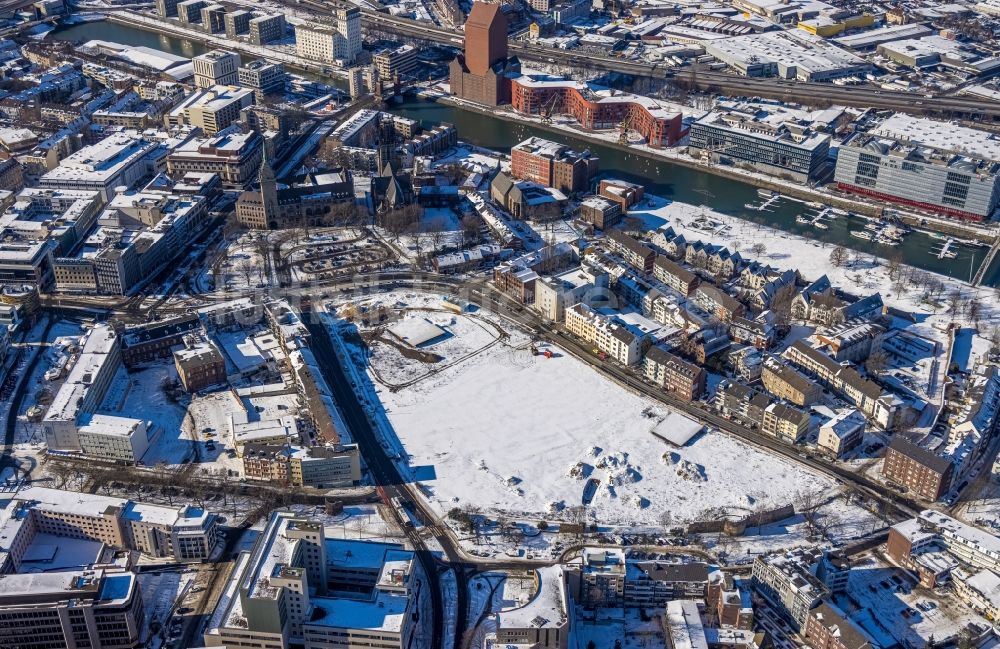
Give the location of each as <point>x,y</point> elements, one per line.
<point>623,131</point>
<point>548,107</point>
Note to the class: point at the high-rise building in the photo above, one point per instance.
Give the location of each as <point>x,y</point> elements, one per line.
<point>330,43</point>
<point>189,11</point>
<point>213,18</point>
<point>349,33</point>
<point>82,608</point>
<point>264,29</point>
<point>236,22</point>
<point>166,8</point>
<point>477,73</point>
<point>356,82</point>
<point>262,77</point>
<point>395,62</point>
<point>216,68</point>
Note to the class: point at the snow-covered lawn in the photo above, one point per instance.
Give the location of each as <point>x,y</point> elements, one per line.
<point>507,431</point>
<point>465,334</point>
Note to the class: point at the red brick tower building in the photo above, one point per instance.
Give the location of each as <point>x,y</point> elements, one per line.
<point>478,73</point>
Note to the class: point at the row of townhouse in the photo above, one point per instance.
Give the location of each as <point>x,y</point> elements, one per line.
<point>878,405</point>
<point>633,251</point>
<point>622,342</point>
<point>675,375</point>
<point>819,303</point>
<point>753,408</point>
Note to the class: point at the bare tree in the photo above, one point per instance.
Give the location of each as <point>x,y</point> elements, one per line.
<point>895,266</point>
<point>877,363</point>
<point>470,229</point>
<point>246,268</point>
<point>955,300</point>
<point>838,256</point>
<point>758,249</point>
<point>974,311</point>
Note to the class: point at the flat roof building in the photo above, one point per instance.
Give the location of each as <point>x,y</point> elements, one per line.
<point>926,164</point>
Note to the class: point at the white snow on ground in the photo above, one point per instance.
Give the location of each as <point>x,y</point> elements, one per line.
<point>147,400</point>
<point>509,431</point>
<point>465,334</point>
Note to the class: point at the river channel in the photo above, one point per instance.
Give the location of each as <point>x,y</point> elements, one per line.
<point>662,178</point>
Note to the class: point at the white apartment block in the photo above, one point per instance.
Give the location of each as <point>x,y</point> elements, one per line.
<point>331,44</point>
<point>216,68</point>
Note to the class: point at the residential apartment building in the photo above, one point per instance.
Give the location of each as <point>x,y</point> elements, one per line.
<point>314,466</point>
<point>298,587</point>
<point>922,472</point>
<point>843,433</point>
<point>788,584</point>
<point>634,252</point>
<point>596,107</point>
<point>784,382</point>
<point>99,609</point>
<point>980,590</point>
<point>215,68</point>
<point>786,150</point>
<point>553,165</point>
<point>742,403</point>
<point>674,275</point>
<point>717,302</point>
<point>553,295</point>
<point>730,600</point>
<point>787,423</point>
<point>599,581</point>
<point>933,544</point>
<point>759,333</point>
<point>684,380</point>
<point>876,404</point>
<point>935,166</point>
<point>828,628</point>
<point>395,62</point>
<point>851,341</point>
<point>652,584</point>
<point>621,341</point>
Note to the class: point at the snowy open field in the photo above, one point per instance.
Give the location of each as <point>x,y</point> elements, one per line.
<point>506,431</point>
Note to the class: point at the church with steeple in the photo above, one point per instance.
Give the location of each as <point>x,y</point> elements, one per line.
<point>307,203</point>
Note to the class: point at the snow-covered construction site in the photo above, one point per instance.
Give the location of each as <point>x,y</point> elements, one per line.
<point>491,421</point>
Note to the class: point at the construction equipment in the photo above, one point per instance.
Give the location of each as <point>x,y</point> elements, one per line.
<point>548,107</point>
